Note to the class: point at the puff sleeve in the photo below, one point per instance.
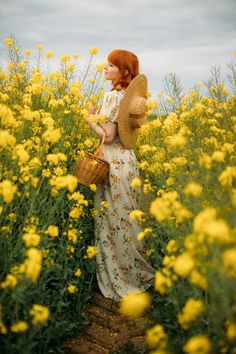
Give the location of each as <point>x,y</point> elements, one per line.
<point>110,105</point>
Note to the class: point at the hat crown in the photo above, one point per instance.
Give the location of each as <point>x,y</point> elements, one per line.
<point>138,106</point>
<point>132,111</point>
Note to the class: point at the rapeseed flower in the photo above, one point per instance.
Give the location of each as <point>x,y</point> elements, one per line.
<point>194,189</point>
<point>27,52</point>
<point>134,304</point>
<point>91,252</point>
<point>49,55</point>
<point>72,288</point>
<point>184,264</point>
<point>93,50</point>
<point>156,337</point>
<point>231,330</point>
<point>20,326</point>
<point>40,47</point>
<point>10,281</point>
<point>162,283</point>
<point>136,215</point>
<point>32,264</point>
<point>31,239</point>
<point>8,191</point>
<point>39,314</point>
<point>8,42</point>
<point>190,312</point>
<point>229,261</point>
<point>197,344</point>
<point>78,273</point>
<point>52,231</point>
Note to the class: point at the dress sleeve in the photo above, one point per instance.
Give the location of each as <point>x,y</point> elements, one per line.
<point>110,105</point>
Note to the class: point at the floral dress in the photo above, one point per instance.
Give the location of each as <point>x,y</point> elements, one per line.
<point>121,262</point>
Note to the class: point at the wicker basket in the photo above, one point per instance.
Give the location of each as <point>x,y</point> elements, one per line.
<point>92,169</point>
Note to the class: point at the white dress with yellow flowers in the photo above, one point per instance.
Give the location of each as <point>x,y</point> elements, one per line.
<point>121,261</point>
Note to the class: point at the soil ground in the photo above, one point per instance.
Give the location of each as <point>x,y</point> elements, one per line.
<point>108,332</point>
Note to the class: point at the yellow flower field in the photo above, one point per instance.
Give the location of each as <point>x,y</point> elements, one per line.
<point>187,162</point>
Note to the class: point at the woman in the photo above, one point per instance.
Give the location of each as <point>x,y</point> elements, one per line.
<point>121,263</point>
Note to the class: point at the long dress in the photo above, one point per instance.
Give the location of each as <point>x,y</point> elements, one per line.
<point>122,265</point>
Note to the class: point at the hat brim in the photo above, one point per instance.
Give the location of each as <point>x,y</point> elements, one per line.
<point>128,134</point>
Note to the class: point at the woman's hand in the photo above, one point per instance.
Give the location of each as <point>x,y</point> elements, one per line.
<point>91,108</point>
<point>111,130</point>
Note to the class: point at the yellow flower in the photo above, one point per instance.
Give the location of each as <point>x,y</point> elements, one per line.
<point>65,58</point>
<point>8,191</point>
<point>193,189</point>
<point>229,261</point>
<point>32,265</point>
<point>6,139</point>
<point>93,50</point>
<point>39,313</point>
<point>177,140</point>
<point>31,239</point>
<point>134,304</point>
<point>162,283</point>
<point>20,326</point>
<point>198,344</point>
<point>184,264</point>
<point>10,281</point>
<point>49,55</point>
<point>72,235</point>
<point>172,246</point>
<point>8,42</point>
<point>199,84</point>
<point>93,187</point>
<point>40,47</point>
<point>78,273</point>
<point>7,117</point>
<point>227,176</point>
<point>27,52</point>
<point>136,215</point>
<point>104,204</point>
<point>205,161</point>
<point>216,230</point>
<point>70,182</point>
<point>136,182</point>
<point>52,231</point>
<point>231,330</point>
<point>156,337</point>
<point>3,329</point>
<point>218,156</point>
<point>190,312</point>
<point>52,135</point>
<point>100,67</point>
<point>91,252</point>
<point>70,249</point>
<point>198,279</point>
<point>144,233</point>
<point>72,288</point>
<point>76,55</point>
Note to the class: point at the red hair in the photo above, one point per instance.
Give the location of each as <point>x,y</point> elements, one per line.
<point>124,60</point>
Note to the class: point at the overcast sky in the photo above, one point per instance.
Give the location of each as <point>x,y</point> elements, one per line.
<point>182,36</point>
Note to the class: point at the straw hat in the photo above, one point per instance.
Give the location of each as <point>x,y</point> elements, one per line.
<point>132,111</point>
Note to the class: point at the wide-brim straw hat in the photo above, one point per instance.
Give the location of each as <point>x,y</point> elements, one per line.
<point>132,111</point>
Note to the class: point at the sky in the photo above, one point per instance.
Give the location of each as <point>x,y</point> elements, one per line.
<point>186,37</point>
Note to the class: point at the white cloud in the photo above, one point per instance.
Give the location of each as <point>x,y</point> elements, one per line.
<point>183,36</point>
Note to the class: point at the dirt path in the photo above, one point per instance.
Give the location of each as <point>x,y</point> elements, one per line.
<point>108,331</point>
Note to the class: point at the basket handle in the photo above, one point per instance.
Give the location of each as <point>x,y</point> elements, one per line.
<point>97,152</point>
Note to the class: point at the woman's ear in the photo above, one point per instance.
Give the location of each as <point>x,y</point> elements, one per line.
<point>126,72</point>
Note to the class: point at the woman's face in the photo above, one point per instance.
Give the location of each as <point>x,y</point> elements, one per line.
<point>111,72</point>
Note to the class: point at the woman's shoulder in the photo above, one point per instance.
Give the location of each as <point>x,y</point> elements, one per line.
<point>114,93</point>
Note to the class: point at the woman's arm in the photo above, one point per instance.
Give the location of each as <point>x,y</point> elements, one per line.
<point>110,129</point>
